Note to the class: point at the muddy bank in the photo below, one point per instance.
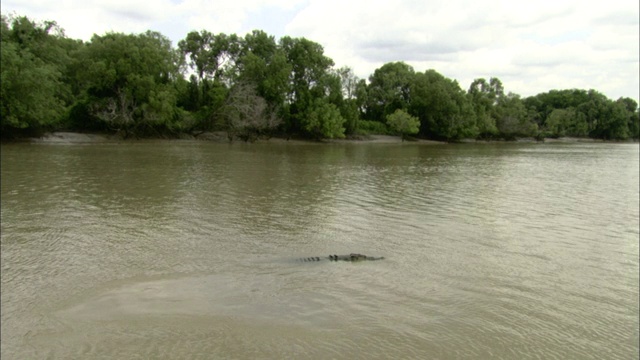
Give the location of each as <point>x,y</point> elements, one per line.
<point>63,137</point>
<point>221,136</point>
<point>72,137</point>
<point>388,139</point>
<point>546,140</point>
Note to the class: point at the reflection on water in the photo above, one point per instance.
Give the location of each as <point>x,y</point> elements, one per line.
<point>187,250</point>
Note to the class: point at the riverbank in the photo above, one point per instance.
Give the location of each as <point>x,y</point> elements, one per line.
<point>221,136</point>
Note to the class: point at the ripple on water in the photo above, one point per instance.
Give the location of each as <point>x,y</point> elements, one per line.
<point>185,251</point>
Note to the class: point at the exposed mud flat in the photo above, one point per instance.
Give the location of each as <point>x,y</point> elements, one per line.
<point>221,136</point>
<point>389,139</point>
<point>218,136</point>
<point>72,138</point>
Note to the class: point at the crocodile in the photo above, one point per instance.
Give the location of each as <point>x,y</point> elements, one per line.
<point>350,257</point>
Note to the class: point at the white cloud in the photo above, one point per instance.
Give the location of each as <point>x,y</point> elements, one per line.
<point>227,16</point>
<point>81,19</point>
<point>531,46</point>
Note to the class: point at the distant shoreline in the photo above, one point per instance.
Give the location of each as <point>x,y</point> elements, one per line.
<point>63,137</point>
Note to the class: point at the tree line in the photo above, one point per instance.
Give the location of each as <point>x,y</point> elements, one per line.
<point>140,85</point>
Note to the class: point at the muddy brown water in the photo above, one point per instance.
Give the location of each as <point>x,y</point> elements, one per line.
<point>186,250</point>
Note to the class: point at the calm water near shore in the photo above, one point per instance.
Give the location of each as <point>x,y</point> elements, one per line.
<point>187,250</point>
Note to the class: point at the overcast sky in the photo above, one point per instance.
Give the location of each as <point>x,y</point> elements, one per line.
<point>531,46</point>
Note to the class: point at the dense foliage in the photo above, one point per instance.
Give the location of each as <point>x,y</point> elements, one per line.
<point>254,86</point>
<point>403,123</point>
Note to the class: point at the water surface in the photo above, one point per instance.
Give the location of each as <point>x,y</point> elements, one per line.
<point>180,249</point>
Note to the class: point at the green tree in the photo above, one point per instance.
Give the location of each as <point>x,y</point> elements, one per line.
<point>559,121</point>
<point>361,96</point>
<point>388,90</point>
<point>349,82</point>
<point>633,116</point>
<point>33,89</point>
<point>442,107</point>
<point>129,81</point>
<point>403,123</point>
<point>484,97</point>
<point>210,55</point>
<point>541,105</point>
<point>565,122</point>
<point>263,63</point>
<point>323,120</point>
<point>512,118</point>
<point>348,105</point>
<point>214,58</point>
<point>29,91</point>
<point>606,119</point>
<point>311,87</point>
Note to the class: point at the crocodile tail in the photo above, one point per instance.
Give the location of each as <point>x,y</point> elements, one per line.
<point>313,258</point>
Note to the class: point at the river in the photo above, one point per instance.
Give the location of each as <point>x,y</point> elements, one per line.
<point>187,250</point>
